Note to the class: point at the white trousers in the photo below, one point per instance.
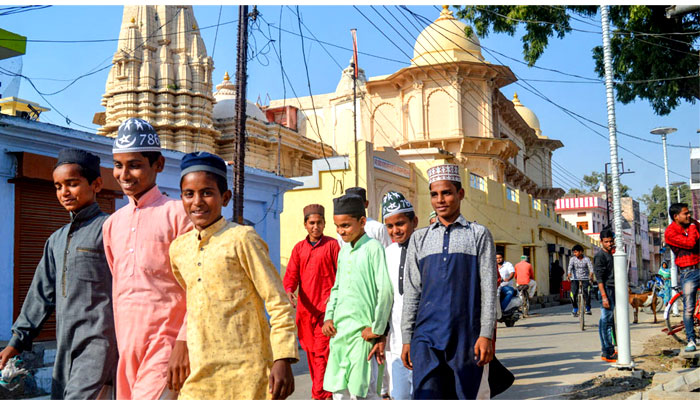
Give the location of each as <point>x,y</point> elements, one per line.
<point>532,286</point>
<point>371,392</point>
<point>400,378</point>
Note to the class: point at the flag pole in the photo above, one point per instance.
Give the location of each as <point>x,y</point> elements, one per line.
<point>354,101</point>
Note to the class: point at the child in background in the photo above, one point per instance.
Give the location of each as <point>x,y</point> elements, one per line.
<point>358,308</point>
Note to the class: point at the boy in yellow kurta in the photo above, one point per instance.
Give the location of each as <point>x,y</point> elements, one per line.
<point>226,270</point>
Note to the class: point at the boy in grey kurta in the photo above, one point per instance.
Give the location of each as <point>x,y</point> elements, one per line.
<point>73,279</point>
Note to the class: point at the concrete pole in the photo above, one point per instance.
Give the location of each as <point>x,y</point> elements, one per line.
<point>624,352</point>
<point>674,270</point>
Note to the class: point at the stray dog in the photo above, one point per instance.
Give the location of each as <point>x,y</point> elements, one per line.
<point>641,300</point>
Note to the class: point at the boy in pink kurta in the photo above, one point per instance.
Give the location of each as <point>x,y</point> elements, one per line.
<point>149,305</point>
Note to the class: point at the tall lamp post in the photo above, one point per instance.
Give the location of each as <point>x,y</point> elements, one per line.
<point>663,132</point>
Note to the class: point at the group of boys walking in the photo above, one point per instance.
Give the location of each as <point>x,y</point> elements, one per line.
<point>167,299</point>
<point>424,306</point>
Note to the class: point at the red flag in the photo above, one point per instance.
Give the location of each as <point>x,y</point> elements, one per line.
<point>354,49</point>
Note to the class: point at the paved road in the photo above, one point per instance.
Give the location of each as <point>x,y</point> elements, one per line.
<point>547,352</point>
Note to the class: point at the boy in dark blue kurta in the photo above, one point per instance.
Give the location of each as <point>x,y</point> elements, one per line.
<point>449,298</point>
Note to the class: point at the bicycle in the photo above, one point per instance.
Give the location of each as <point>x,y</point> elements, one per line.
<point>581,302</point>
<point>525,299</point>
<point>674,321</point>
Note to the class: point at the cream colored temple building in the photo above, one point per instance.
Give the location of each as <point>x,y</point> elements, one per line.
<point>445,107</point>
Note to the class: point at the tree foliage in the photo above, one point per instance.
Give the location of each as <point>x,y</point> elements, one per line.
<point>649,51</point>
<point>591,183</point>
<point>656,205</point>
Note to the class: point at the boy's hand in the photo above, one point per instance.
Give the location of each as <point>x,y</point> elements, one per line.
<point>178,366</point>
<point>328,328</point>
<point>378,351</point>
<point>406,356</point>
<point>483,351</point>
<point>281,381</point>
<point>292,299</point>
<point>368,335</point>
<point>7,353</point>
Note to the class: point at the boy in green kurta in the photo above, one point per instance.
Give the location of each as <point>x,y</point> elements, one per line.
<point>358,308</point>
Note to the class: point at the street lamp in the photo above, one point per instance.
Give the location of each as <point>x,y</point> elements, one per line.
<point>677,185</point>
<point>663,132</point>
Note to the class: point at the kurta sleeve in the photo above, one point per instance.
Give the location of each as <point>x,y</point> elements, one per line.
<point>182,225</point>
<point>590,266</point>
<point>291,275</point>
<point>384,237</point>
<point>570,268</point>
<point>675,237</point>
<point>39,303</point>
<point>385,292</point>
<point>107,244</point>
<point>173,265</point>
<point>412,288</point>
<point>332,299</point>
<point>488,278</point>
<point>254,259</point>
<point>335,250</point>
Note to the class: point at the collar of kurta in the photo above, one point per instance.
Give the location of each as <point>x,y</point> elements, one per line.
<point>147,198</point>
<point>318,242</point>
<point>212,229</point>
<point>362,240</point>
<point>86,213</point>
<point>460,220</point>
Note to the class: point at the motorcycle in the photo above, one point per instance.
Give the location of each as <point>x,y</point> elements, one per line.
<point>512,312</point>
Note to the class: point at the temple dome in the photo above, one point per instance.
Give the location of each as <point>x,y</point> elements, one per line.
<point>527,115</point>
<point>225,106</point>
<point>445,41</point>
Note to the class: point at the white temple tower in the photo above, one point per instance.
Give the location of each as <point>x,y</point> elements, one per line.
<point>161,73</point>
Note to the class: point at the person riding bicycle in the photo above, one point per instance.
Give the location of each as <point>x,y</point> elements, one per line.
<point>684,239</point>
<point>524,276</point>
<point>580,273</point>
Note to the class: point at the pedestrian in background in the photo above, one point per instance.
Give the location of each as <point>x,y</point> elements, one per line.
<point>73,279</point>
<point>373,228</point>
<point>400,220</point>
<point>358,308</point>
<point>683,238</point>
<point>580,273</point>
<point>603,267</point>
<point>235,352</point>
<point>525,276</point>
<point>312,268</point>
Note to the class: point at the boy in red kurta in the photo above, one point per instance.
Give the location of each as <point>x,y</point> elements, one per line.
<point>312,268</point>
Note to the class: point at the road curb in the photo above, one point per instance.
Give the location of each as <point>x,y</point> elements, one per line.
<point>680,387</point>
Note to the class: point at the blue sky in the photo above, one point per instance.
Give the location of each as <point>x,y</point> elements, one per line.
<point>584,151</point>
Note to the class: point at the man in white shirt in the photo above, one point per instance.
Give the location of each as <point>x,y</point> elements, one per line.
<point>506,270</point>
<point>373,228</point>
<point>401,221</point>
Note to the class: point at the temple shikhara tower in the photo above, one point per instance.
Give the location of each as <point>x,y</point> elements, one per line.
<point>161,73</point>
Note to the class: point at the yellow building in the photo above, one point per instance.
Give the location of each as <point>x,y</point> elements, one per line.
<point>446,107</point>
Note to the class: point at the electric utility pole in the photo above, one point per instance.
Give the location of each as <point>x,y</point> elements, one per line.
<point>240,114</point>
<point>624,358</point>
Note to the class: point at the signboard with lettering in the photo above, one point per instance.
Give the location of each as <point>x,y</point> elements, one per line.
<point>388,166</point>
